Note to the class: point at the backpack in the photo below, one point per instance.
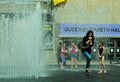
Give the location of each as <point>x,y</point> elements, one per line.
<point>80,45</point>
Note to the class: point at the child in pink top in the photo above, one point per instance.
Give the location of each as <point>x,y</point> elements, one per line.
<point>73,50</point>
<point>62,55</point>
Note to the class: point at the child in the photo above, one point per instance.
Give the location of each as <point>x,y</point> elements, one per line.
<point>101,50</point>
<point>62,55</point>
<point>73,55</point>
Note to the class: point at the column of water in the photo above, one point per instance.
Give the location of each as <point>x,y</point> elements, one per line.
<point>21,48</point>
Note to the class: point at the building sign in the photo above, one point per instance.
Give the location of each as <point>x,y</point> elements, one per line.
<point>79,30</point>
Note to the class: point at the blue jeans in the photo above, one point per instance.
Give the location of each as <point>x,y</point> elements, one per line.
<point>62,59</point>
<point>88,58</point>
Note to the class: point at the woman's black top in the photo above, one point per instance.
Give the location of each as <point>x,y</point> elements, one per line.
<point>88,47</point>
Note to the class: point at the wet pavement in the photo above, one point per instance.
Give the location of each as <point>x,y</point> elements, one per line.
<point>56,74</point>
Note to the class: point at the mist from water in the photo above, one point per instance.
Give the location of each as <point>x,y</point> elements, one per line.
<point>21,49</point>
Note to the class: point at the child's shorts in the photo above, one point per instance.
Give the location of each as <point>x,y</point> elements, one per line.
<point>73,55</point>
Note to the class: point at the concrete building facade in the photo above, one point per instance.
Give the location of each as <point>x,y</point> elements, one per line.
<point>70,12</point>
<point>89,12</point>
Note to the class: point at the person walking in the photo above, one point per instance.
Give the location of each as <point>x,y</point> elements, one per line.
<point>88,42</point>
<point>58,53</point>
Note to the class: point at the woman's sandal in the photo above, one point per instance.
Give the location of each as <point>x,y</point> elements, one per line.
<point>88,72</point>
<point>100,72</point>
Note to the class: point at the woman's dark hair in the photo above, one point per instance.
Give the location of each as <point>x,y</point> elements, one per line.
<point>86,37</point>
<point>90,31</point>
<point>87,34</point>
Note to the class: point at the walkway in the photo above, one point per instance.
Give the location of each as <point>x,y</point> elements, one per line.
<point>55,74</point>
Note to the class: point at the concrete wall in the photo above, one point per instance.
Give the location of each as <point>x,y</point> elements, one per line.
<point>88,12</point>
<point>18,6</point>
